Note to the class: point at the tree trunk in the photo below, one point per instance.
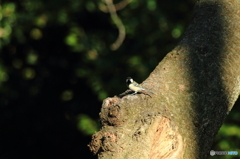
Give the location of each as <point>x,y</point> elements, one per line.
<point>195,87</point>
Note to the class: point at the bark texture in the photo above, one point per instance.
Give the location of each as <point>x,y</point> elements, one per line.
<point>195,86</point>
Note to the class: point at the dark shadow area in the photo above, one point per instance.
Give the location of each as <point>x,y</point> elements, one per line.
<point>33,113</point>
<point>129,92</point>
<point>205,41</point>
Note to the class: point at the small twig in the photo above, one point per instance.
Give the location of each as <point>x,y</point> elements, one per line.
<point>117,6</point>
<point>118,23</point>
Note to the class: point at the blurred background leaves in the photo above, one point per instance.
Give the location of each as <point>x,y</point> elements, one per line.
<point>56,67</point>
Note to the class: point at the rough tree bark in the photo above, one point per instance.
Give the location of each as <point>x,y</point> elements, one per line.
<point>195,87</point>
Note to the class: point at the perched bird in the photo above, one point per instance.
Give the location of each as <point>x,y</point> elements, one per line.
<point>134,86</point>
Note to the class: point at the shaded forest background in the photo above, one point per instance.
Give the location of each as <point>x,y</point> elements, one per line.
<point>56,67</point>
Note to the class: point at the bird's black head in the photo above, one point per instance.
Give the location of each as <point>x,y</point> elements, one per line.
<point>129,80</point>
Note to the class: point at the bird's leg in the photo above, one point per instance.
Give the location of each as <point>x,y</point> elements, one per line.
<point>134,93</point>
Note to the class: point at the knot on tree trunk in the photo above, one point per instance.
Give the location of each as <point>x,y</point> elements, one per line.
<point>135,131</point>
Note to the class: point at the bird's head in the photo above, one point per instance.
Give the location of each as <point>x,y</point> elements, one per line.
<point>129,80</point>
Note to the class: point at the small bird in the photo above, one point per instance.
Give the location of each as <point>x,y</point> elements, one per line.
<point>134,86</point>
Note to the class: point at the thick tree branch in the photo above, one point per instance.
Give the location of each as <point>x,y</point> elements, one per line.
<point>195,87</point>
